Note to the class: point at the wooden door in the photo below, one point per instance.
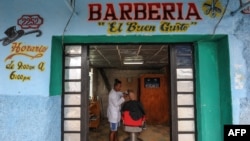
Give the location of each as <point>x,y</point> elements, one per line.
<point>154,95</point>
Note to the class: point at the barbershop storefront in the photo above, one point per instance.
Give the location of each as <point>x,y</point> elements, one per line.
<point>47,55</point>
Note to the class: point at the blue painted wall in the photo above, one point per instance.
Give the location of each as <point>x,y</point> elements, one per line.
<point>30,118</point>
<point>28,113</point>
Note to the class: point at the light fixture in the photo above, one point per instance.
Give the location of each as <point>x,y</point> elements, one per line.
<point>133,62</point>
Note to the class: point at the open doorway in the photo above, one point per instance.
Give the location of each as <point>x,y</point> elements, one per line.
<point>157,74</point>
<point>164,80</point>
<point>108,63</point>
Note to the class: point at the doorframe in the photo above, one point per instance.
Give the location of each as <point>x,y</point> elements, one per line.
<point>204,44</point>
<point>182,58</point>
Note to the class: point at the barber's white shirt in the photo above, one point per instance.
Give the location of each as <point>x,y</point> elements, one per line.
<point>114,105</point>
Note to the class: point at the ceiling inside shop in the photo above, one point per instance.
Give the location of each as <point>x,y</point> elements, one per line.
<point>154,56</point>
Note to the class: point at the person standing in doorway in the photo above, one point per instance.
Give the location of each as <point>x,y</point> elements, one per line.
<point>115,100</point>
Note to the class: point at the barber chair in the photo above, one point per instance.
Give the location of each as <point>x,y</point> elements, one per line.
<point>132,126</point>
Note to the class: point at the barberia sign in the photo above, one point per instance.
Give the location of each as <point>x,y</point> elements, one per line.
<point>143,11</point>
<point>173,16</point>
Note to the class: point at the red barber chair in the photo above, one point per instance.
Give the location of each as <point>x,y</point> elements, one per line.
<point>132,126</point>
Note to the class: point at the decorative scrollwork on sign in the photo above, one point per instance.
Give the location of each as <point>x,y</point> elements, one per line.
<point>30,21</point>
<point>244,7</point>
<point>212,8</point>
<point>12,35</point>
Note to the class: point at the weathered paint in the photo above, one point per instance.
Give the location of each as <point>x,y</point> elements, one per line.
<point>236,27</point>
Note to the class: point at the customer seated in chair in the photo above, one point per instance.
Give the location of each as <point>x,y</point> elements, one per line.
<point>135,108</point>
